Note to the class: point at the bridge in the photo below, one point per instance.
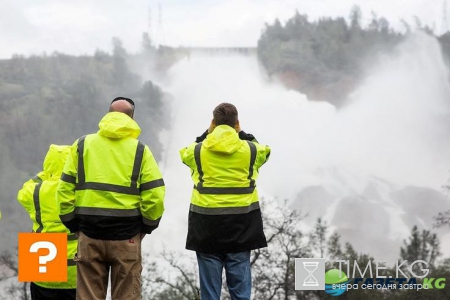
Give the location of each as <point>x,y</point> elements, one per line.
<point>210,51</point>
<point>222,50</point>
<point>167,55</point>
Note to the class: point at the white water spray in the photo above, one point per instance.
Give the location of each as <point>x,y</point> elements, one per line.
<point>392,134</point>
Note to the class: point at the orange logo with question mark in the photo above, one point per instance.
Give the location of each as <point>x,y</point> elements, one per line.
<point>42,257</point>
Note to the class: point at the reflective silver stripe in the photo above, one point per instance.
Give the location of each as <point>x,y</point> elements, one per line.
<point>37,207</point>
<point>198,162</point>
<point>225,190</point>
<point>68,217</point>
<point>108,188</point>
<point>252,162</point>
<point>71,262</point>
<point>151,222</point>
<point>267,156</point>
<point>152,184</point>
<point>72,237</point>
<point>224,210</point>
<point>108,212</point>
<point>81,172</point>
<point>36,179</point>
<point>137,164</point>
<point>68,178</point>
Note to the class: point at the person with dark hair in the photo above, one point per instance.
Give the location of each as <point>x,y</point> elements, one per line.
<point>38,197</point>
<point>111,194</point>
<point>225,221</point>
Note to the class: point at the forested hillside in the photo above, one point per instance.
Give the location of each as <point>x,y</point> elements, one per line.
<point>325,59</point>
<point>55,99</point>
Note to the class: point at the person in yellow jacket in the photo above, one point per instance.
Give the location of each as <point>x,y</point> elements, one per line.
<point>111,193</point>
<point>225,220</point>
<point>38,197</point>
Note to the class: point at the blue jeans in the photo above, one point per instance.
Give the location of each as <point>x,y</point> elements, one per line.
<point>237,271</point>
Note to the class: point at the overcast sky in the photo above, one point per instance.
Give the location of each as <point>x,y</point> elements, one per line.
<point>82,26</point>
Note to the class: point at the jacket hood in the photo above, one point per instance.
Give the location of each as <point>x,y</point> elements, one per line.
<point>117,125</point>
<point>223,139</point>
<point>54,161</point>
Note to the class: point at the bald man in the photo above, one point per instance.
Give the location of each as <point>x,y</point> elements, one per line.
<point>123,105</point>
<point>111,194</point>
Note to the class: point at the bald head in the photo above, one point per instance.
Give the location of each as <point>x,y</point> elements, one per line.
<point>122,106</point>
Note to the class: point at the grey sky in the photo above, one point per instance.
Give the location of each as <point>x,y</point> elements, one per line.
<point>82,26</point>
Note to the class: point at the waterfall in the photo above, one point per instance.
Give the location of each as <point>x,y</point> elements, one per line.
<point>371,169</point>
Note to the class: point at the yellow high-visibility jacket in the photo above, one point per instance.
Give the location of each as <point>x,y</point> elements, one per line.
<point>225,215</point>
<point>38,197</point>
<point>111,187</point>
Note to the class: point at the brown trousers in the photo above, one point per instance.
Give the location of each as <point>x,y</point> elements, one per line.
<point>94,260</point>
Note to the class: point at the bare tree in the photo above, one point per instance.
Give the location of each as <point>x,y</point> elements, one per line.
<point>8,270</point>
<point>273,268</point>
<point>176,282</point>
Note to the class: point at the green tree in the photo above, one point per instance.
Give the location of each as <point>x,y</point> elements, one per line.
<point>355,17</point>
<point>55,99</point>
<point>421,246</point>
<point>442,219</point>
<point>318,237</point>
<point>323,59</point>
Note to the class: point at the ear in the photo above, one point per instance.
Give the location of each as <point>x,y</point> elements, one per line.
<point>237,127</point>
<point>211,126</point>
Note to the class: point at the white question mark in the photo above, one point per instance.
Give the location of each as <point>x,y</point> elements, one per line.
<point>43,259</point>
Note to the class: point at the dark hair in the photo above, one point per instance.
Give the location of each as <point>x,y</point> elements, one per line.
<point>123,98</point>
<point>225,114</point>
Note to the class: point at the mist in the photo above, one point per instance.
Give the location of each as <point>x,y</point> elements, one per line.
<point>371,169</point>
